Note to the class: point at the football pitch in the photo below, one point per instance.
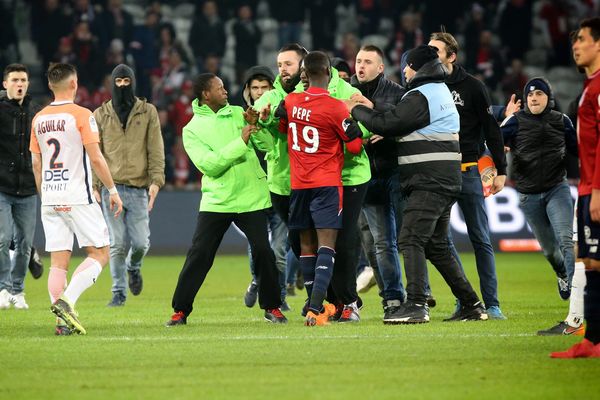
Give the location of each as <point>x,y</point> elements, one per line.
<point>227,351</point>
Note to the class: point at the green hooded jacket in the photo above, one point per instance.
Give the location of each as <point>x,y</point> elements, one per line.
<point>356,169</point>
<point>278,161</point>
<point>233,180</point>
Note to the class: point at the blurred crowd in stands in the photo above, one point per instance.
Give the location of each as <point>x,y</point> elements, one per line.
<point>168,42</point>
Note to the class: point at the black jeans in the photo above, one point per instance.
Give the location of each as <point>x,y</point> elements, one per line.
<point>209,233</point>
<point>347,247</point>
<point>424,235</point>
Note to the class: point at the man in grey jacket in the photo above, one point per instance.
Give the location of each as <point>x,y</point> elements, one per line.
<point>131,141</point>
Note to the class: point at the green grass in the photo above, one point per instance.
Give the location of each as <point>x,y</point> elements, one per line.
<point>227,351</point>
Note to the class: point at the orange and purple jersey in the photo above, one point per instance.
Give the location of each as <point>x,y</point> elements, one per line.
<point>59,133</point>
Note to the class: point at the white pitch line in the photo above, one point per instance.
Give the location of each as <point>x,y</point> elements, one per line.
<point>168,338</point>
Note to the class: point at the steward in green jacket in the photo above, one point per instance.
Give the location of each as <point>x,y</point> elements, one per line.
<point>221,144</point>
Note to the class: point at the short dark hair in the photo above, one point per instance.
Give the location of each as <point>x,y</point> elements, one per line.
<point>202,83</point>
<point>594,25</point>
<point>316,63</point>
<point>58,72</point>
<point>261,77</point>
<point>373,48</point>
<point>448,40</point>
<point>15,68</point>
<point>299,49</point>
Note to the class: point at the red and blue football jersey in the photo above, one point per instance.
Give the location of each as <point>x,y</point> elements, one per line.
<point>316,131</point>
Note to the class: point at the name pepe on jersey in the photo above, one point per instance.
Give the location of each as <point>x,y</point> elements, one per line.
<point>318,127</point>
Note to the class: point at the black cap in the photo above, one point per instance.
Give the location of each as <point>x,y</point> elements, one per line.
<point>420,56</point>
<point>341,65</point>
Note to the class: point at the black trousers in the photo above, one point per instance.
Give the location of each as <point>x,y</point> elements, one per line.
<point>210,229</point>
<point>424,235</point>
<point>347,247</point>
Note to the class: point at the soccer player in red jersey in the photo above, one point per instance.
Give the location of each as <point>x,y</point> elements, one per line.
<point>317,126</point>
<point>586,52</point>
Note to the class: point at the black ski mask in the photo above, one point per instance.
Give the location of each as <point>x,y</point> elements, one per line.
<point>123,97</point>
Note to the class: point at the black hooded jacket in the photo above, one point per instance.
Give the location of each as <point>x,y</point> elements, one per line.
<point>384,95</point>
<point>16,175</point>
<point>477,124</point>
<point>410,114</point>
<point>538,143</point>
<point>252,73</point>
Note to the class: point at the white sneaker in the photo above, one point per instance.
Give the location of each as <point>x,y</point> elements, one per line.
<point>366,280</point>
<point>19,301</point>
<point>5,299</point>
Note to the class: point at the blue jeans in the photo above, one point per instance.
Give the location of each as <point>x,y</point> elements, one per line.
<point>550,215</point>
<point>382,224</point>
<point>133,223</point>
<point>279,245</point>
<point>471,202</point>
<point>17,221</point>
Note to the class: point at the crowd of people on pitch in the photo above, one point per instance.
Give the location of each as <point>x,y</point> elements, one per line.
<point>330,186</point>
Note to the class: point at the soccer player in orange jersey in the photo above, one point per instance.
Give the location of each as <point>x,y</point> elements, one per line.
<point>64,148</point>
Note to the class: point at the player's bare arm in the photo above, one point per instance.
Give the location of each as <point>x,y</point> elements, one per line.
<point>101,169</point>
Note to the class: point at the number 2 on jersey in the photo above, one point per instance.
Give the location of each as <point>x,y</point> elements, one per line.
<point>310,134</point>
<point>56,144</point>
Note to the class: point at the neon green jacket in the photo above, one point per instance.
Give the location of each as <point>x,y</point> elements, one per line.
<point>278,161</point>
<point>233,180</point>
<point>356,169</point>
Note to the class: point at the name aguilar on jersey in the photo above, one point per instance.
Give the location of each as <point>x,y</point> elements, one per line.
<point>51,125</point>
<point>57,177</point>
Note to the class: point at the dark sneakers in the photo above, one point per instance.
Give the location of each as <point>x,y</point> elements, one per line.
<point>408,313</point>
<point>178,318</point>
<point>35,264</point>
<point>390,309</point>
<point>475,312</point>
<point>135,281</point>
<point>562,328</point>
<point>564,290</point>
<point>275,316</point>
<point>118,300</point>
<point>251,295</point>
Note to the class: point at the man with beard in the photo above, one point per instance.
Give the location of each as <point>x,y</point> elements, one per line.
<point>132,144</point>
<point>355,177</point>
<point>278,163</point>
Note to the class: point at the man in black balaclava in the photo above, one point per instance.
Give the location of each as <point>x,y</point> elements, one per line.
<point>132,145</point>
<point>123,92</point>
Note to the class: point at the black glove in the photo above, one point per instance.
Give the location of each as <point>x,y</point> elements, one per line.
<point>352,129</point>
<point>281,112</point>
